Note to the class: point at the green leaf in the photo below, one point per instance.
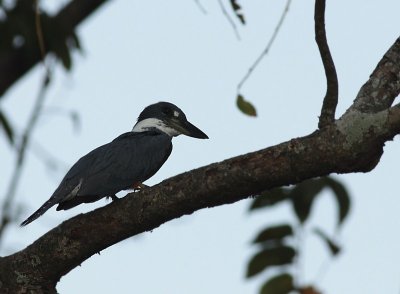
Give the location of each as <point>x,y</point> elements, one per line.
<point>245,106</point>
<point>303,196</point>
<point>270,257</point>
<point>281,284</point>
<point>275,233</point>
<point>333,247</point>
<point>9,131</point>
<point>342,198</point>
<point>270,198</point>
<point>238,11</point>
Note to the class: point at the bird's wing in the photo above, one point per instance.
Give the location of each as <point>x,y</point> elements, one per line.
<point>131,158</point>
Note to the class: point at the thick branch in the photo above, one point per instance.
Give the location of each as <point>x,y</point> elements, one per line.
<point>354,143</point>
<point>323,152</point>
<point>16,63</point>
<point>383,86</point>
<point>332,91</point>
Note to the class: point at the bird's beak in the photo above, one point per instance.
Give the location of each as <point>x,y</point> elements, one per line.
<point>188,129</point>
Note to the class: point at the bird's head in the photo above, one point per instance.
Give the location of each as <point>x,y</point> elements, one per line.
<point>168,118</point>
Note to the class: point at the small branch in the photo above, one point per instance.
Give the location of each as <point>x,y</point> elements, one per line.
<point>331,97</point>
<point>6,209</point>
<point>267,48</point>
<point>200,6</point>
<point>230,20</point>
<point>383,86</point>
<point>39,30</point>
<point>334,149</point>
<point>39,34</point>
<point>48,159</point>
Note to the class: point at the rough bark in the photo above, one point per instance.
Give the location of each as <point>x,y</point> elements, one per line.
<point>354,143</point>
<point>16,63</point>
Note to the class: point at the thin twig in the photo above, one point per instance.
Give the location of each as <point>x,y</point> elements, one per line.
<point>267,48</point>
<point>6,209</point>
<point>50,160</point>
<point>40,38</point>
<point>332,90</point>
<point>200,6</point>
<point>230,20</point>
<point>39,31</point>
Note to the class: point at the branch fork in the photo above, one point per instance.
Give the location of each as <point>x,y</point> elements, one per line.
<point>353,143</point>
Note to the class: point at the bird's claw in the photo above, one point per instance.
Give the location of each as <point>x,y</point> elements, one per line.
<point>113,197</point>
<point>140,187</point>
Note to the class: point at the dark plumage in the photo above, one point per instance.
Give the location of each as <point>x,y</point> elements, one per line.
<point>128,160</point>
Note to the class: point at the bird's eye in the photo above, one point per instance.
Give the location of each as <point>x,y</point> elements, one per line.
<point>167,111</point>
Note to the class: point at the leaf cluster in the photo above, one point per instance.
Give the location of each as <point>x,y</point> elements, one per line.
<point>277,247</point>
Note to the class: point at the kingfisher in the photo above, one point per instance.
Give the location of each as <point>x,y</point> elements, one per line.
<point>124,163</point>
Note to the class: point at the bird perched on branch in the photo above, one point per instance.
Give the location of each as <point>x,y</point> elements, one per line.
<point>124,163</point>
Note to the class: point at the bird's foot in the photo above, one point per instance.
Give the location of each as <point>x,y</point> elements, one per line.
<point>113,197</point>
<point>139,187</point>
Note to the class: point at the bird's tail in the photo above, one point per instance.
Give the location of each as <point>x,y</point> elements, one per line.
<point>42,209</point>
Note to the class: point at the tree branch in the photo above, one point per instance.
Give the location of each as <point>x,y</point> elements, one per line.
<point>266,49</point>
<point>16,63</point>
<point>383,86</point>
<point>332,91</point>
<point>229,19</point>
<point>354,143</point>
<point>200,6</point>
<point>7,205</point>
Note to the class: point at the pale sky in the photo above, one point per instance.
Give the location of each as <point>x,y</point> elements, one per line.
<point>140,52</point>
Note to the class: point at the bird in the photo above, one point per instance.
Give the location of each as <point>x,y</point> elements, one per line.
<point>124,163</point>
